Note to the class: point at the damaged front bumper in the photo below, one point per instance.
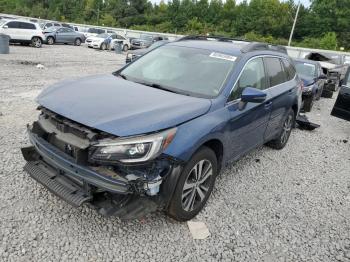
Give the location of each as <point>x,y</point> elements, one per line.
<point>110,195</point>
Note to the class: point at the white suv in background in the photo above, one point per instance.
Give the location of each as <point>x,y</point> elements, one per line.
<point>23,32</point>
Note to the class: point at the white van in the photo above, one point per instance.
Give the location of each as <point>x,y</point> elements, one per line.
<point>23,32</point>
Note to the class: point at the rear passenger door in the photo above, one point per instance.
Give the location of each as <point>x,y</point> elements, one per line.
<point>26,30</point>
<point>282,85</point>
<point>62,35</point>
<point>247,123</point>
<point>71,35</point>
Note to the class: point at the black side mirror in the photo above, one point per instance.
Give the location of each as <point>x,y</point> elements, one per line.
<point>322,76</point>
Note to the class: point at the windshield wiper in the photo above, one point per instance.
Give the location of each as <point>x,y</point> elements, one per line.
<point>158,86</point>
<point>123,76</point>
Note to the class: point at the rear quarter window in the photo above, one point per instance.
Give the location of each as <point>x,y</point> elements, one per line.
<point>275,71</point>
<point>289,68</point>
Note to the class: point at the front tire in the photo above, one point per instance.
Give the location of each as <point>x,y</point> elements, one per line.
<point>282,139</point>
<point>125,48</point>
<point>37,42</point>
<point>103,46</point>
<point>194,186</point>
<point>50,40</point>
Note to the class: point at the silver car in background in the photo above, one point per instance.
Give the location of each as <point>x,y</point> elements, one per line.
<point>63,35</point>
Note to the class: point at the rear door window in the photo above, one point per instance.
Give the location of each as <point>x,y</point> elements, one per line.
<point>253,75</point>
<point>27,26</point>
<point>275,71</point>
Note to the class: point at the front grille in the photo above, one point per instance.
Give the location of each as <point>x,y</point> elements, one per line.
<point>57,130</point>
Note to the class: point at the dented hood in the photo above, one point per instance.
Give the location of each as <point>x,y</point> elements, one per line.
<point>120,107</point>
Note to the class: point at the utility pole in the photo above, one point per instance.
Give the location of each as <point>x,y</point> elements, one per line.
<point>295,21</point>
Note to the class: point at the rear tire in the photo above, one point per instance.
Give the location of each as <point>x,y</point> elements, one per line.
<point>37,42</point>
<point>50,40</point>
<point>194,186</point>
<point>77,42</point>
<point>282,139</point>
<point>308,103</point>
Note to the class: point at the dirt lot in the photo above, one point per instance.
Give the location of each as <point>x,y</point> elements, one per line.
<point>289,205</point>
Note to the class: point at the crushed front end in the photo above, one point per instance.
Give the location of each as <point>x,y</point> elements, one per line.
<point>124,177</point>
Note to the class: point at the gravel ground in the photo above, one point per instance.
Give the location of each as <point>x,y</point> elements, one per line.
<point>289,205</point>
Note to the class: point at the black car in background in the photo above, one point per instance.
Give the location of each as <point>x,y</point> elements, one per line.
<point>313,79</point>
<point>146,40</point>
<point>341,108</point>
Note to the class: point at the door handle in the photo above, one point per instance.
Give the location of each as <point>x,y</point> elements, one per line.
<point>268,104</point>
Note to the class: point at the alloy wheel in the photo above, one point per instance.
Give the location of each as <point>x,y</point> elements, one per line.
<point>50,41</point>
<point>36,42</point>
<point>197,185</point>
<point>287,128</point>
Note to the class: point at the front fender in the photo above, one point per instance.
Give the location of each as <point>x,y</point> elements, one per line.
<point>191,135</point>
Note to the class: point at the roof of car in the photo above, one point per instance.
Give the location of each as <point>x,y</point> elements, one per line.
<point>217,46</point>
<point>306,61</point>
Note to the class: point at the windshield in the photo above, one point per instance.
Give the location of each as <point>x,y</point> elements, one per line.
<point>104,35</point>
<point>305,69</point>
<point>189,71</point>
<point>158,43</point>
<point>146,37</point>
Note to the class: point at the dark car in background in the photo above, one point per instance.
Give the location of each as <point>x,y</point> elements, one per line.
<point>341,107</point>
<point>63,35</point>
<point>135,54</point>
<point>334,66</point>
<point>313,79</point>
<point>156,133</point>
<point>146,40</point>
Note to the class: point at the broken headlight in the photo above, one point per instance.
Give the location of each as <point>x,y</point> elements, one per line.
<point>133,149</point>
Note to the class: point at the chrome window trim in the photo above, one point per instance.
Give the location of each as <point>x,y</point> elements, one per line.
<point>239,76</point>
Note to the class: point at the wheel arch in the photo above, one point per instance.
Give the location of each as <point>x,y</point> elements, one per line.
<point>37,37</point>
<point>218,148</point>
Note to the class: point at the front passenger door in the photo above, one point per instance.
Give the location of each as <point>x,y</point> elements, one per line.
<point>248,121</point>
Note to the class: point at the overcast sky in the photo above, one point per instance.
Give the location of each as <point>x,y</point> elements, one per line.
<point>304,2</point>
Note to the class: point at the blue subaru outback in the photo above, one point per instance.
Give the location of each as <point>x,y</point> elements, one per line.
<point>156,133</point>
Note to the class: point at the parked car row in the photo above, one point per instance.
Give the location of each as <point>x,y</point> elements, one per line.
<point>36,34</point>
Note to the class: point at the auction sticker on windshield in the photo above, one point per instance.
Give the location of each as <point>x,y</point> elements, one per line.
<point>223,56</point>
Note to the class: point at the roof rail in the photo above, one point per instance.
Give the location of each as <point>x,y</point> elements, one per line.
<point>248,45</point>
<point>255,46</point>
<point>210,38</point>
